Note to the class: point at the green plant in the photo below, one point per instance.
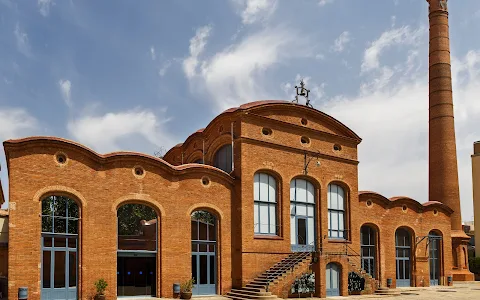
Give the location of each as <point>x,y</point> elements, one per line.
<point>474,264</point>
<point>187,286</point>
<point>101,286</point>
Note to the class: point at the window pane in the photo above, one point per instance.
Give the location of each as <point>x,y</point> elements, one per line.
<point>311,231</point>
<point>46,268</point>
<point>272,189</point>
<point>72,209</point>
<point>72,268</point>
<point>263,218</point>
<point>292,190</point>
<point>302,232</point>
<point>256,187</point>
<point>272,219</point>
<point>60,242</point>
<point>256,220</point>
<point>59,269</point>
<point>47,241</point>
<point>212,269</point>
<point>47,224</point>
<point>341,224</point>
<point>203,230</point>
<point>301,190</point>
<point>293,230</point>
<point>334,216</point>
<point>263,187</point>
<point>194,230</point>
<point>73,226</point>
<point>310,193</point>
<point>59,225</point>
<point>47,205</point>
<point>212,234</point>
<point>194,268</point>
<point>60,206</point>
<point>310,209</point>
<point>301,210</point>
<point>341,197</point>
<point>72,243</point>
<point>203,269</point>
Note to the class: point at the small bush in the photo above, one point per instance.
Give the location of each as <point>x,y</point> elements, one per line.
<point>187,286</point>
<point>474,264</point>
<point>101,286</point>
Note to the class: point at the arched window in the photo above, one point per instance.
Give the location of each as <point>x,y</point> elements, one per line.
<point>336,212</point>
<point>302,215</point>
<point>368,249</point>
<point>265,204</point>
<point>223,158</point>
<point>60,220</point>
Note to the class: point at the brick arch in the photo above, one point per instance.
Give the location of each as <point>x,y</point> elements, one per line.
<point>195,155</point>
<point>60,190</point>
<point>410,230</point>
<point>216,144</point>
<point>211,208</point>
<point>139,199</point>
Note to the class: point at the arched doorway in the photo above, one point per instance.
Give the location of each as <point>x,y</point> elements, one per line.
<point>204,253</point>
<point>368,249</point>
<point>136,250</point>
<point>403,242</point>
<point>302,215</point>
<point>60,224</point>
<point>434,258</point>
<point>332,277</point>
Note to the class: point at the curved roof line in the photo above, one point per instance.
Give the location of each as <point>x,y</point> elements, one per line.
<point>257,104</point>
<point>397,199</point>
<point>105,158</point>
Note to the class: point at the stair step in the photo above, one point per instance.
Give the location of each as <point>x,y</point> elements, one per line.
<point>246,297</point>
<point>251,296</point>
<point>250,292</point>
<point>252,289</point>
<point>253,285</point>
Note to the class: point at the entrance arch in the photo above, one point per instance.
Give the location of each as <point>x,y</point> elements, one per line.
<point>403,245</point>
<point>434,256</point>
<point>204,252</point>
<point>60,226</point>
<point>332,277</point>
<point>136,250</point>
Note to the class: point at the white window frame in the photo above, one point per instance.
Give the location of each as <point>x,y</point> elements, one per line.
<point>337,208</point>
<point>265,204</point>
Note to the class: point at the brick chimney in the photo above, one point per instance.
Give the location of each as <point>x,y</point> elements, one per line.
<point>443,169</point>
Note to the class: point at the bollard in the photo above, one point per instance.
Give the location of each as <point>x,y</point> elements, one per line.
<point>22,293</point>
<point>389,282</point>
<point>176,289</point>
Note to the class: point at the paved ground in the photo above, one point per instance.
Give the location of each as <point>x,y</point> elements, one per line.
<point>460,291</point>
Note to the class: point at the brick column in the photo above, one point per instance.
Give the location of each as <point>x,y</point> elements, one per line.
<point>443,170</point>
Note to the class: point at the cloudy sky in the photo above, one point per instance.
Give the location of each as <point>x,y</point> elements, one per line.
<point>141,75</point>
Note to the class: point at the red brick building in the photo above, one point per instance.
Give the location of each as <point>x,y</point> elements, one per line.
<point>278,182</point>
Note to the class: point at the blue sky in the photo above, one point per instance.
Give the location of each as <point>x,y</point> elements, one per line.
<point>140,75</point>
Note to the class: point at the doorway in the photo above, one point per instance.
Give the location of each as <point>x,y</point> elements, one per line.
<point>333,279</point>
<point>136,276</point>
<point>204,250</point>
<point>403,252</point>
<point>434,257</point>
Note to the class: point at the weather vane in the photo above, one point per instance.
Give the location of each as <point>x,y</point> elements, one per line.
<point>302,91</point>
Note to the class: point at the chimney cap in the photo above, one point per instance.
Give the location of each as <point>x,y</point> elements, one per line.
<point>476,147</point>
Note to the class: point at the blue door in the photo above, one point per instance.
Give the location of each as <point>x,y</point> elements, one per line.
<point>204,249</point>
<point>333,279</point>
<point>403,252</point>
<point>59,267</point>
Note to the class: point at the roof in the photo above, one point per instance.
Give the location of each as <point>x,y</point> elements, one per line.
<point>11,145</point>
<point>265,103</point>
<point>406,200</point>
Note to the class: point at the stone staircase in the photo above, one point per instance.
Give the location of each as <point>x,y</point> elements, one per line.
<point>371,284</point>
<point>258,288</point>
<point>385,291</point>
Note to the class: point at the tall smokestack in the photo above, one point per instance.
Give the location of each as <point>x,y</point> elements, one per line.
<point>443,170</point>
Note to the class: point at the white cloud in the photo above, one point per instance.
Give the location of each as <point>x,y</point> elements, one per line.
<point>44,6</point>
<point>65,89</point>
<point>253,11</point>
<point>21,38</point>
<point>152,53</point>
<point>14,123</point>
<point>109,132</point>
<point>235,75</point>
<point>396,36</point>
<point>325,2</point>
<point>197,45</point>
<point>391,116</point>
<point>340,42</point>
<point>163,70</point>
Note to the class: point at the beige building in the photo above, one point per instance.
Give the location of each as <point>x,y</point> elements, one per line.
<point>476,191</point>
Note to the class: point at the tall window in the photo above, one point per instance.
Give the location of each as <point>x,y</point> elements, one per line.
<point>302,215</point>
<point>265,204</point>
<point>336,212</point>
<point>403,244</point>
<point>223,158</point>
<point>367,240</point>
